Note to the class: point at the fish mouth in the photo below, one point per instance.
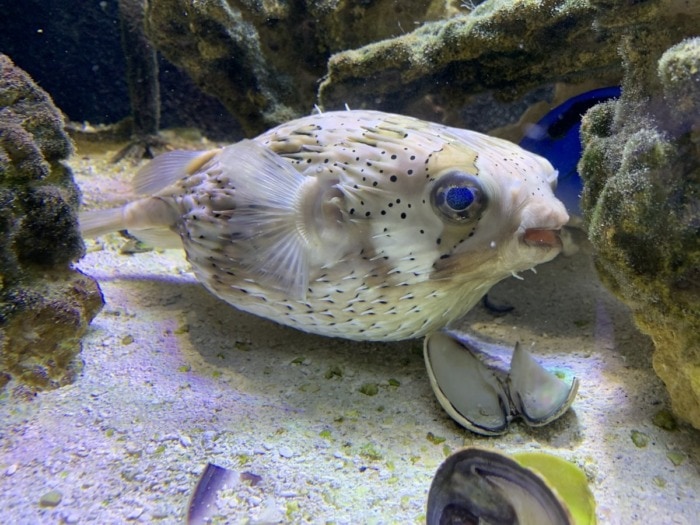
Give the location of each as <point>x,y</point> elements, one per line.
<point>542,238</point>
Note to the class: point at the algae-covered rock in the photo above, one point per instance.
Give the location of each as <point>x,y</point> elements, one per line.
<point>45,306</point>
<point>269,61</point>
<point>263,59</point>
<point>641,167</point>
<point>508,46</point>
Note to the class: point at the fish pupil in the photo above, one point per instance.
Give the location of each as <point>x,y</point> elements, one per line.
<point>459,199</point>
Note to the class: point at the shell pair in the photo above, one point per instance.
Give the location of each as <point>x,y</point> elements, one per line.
<point>477,390</point>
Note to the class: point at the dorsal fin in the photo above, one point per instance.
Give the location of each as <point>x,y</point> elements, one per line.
<point>168,168</point>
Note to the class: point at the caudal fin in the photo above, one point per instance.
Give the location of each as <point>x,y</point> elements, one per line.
<point>99,222</point>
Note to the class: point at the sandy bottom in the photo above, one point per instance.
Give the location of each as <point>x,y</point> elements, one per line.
<point>175,379</point>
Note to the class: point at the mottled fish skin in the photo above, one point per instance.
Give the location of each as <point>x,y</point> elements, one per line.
<point>350,242</point>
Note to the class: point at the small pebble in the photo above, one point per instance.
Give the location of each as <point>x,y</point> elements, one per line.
<point>677,458</point>
<point>162,512</point>
<point>369,389</point>
<point>286,452</point>
<point>11,469</point>
<point>133,448</point>
<point>665,419</point>
<point>51,498</point>
<point>639,439</point>
<point>250,477</point>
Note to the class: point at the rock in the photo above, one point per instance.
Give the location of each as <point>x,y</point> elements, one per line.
<point>263,60</point>
<point>641,200</point>
<point>271,61</point>
<point>45,306</point>
<point>507,47</point>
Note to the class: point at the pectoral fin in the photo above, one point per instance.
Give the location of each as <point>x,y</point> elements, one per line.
<point>268,191</point>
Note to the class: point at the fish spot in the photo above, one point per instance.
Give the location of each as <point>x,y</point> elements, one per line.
<point>367,214</point>
<point>393,157</point>
<point>393,178</point>
<point>403,215</point>
<point>410,172</point>
<point>383,212</point>
<point>375,183</point>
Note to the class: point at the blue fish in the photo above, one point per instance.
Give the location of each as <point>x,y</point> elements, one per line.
<point>556,137</point>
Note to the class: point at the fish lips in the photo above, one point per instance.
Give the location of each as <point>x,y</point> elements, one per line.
<point>542,238</point>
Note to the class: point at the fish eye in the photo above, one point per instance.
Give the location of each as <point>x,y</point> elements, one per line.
<point>458,197</point>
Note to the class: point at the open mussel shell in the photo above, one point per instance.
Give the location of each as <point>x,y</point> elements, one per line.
<point>481,486</point>
<point>474,386</point>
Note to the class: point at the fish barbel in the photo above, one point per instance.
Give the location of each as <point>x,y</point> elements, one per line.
<point>356,224</point>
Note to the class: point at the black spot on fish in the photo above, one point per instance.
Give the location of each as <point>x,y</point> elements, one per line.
<point>393,178</point>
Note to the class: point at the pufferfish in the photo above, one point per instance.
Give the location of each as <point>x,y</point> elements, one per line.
<point>355,224</point>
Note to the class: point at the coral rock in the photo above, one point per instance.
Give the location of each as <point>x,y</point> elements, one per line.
<point>45,306</point>
<point>641,167</point>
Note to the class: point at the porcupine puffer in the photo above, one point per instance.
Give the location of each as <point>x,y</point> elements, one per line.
<point>356,224</point>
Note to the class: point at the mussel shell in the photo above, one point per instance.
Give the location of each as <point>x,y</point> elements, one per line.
<point>478,391</point>
<point>202,505</point>
<point>476,486</point>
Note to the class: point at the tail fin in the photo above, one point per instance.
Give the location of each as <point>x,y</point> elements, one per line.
<point>99,222</point>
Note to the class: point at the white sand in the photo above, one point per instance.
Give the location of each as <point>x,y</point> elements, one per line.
<point>175,378</point>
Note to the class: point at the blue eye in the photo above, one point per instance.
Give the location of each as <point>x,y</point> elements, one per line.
<point>458,197</point>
